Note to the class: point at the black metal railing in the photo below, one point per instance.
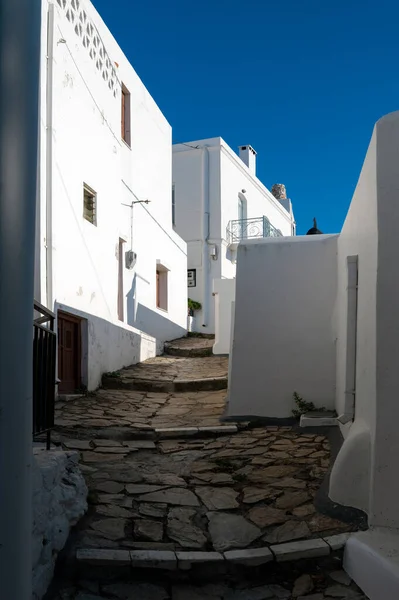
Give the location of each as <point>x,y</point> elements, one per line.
<point>44,360</point>
<point>245,229</point>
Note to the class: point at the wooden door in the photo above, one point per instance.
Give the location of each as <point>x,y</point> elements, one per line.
<point>69,345</point>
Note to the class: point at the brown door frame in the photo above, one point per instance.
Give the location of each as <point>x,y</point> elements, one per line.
<point>78,321</point>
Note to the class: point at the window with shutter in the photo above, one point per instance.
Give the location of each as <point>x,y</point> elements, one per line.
<point>125,115</point>
<point>89,204</point>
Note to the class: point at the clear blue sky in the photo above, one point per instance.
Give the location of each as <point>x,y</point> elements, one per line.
<point>302,81</point>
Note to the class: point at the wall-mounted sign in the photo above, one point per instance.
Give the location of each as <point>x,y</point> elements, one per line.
<point>191,277</point>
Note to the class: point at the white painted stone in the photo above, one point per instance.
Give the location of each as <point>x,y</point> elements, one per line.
<point>153,559</point>
<point>251,557</point>
<point>372,560</point>
<point>222,429</point>
<point>103,557</point>
<point>185,560</point>
<point>337,542</point>
<point>58,502</point>
<point>165,432</point>
<point>299,550</point>
<point>318,421</point>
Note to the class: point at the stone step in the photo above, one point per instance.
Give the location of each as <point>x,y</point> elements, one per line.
<point>166,386</point>
<point>169,374</point>
<point>190,347</point>
<point>180,560</point>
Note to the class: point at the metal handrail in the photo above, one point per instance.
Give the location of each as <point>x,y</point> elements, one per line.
<point>44,362</point>
<point>47,314</point>
<point>257,227</point>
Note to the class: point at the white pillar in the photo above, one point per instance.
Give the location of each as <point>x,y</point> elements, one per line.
<point>19,81</point>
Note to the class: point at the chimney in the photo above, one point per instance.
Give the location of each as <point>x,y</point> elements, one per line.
<point>279,191</point>
<point>248,157</point>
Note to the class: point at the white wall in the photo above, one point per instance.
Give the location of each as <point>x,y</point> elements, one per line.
<point>284,338</point>
<point>59,500</point>
<point>228,176</point>
<point>87,148</point>
<point>365,474</point>
<point>224,293</point>
<point>196,177</point>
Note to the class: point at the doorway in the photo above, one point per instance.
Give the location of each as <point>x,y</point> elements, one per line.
<point>69,353</point>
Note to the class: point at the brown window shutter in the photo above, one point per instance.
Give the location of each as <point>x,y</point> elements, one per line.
<point>123,115</point>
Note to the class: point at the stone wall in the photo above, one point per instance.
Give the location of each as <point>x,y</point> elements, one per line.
<point>59,500</point>
<point>279,191</point>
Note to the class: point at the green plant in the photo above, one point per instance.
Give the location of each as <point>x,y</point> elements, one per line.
<point>112,374</point>
<point>302,406</point>
<point>194,305</point>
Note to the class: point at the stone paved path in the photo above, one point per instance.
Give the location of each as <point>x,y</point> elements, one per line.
<point>253,489</point>
<point>139,411</point>
<point>190,346</point>
<point>313,580</point>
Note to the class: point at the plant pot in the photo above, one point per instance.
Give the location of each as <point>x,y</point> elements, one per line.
<point>191,324</point>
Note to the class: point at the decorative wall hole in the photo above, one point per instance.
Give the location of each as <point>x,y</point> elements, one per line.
<point>91,40</point>
<point>78,29</point>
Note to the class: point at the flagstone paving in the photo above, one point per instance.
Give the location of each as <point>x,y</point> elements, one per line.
<point>252,489</point>
<point>140,411</point>
<point>190,346</point>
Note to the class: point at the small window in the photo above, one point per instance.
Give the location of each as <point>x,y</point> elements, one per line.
<point>173,206</point>
<point>162,289</point>
<point>89,204</point>
<point>125,123</point>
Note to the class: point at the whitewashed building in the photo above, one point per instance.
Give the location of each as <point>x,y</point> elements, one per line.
<point>217,202</point>
<point>328,329</point>
<point>111,266</point>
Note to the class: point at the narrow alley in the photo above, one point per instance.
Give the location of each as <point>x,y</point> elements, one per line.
<point>168,479</point>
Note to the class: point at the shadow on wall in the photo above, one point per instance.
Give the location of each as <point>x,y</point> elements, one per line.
<point>99,346</point>
<point>149,321</point>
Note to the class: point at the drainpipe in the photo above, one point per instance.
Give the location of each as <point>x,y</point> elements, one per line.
<point>19,126</point>
<point>205,236</point>
<point>351,341</point>
<point>49,157</point>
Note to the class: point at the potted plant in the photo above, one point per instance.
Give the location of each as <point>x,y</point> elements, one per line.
<point>193,305</point>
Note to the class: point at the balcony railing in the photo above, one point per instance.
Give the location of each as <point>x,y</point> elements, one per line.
<point>246,229</point>
<point>44,358</point>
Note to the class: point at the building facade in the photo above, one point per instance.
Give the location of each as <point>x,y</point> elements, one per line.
<point>108,260</point>
<point>217,202</point>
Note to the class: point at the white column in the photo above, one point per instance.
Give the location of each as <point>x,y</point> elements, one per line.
<point>19,81</point>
